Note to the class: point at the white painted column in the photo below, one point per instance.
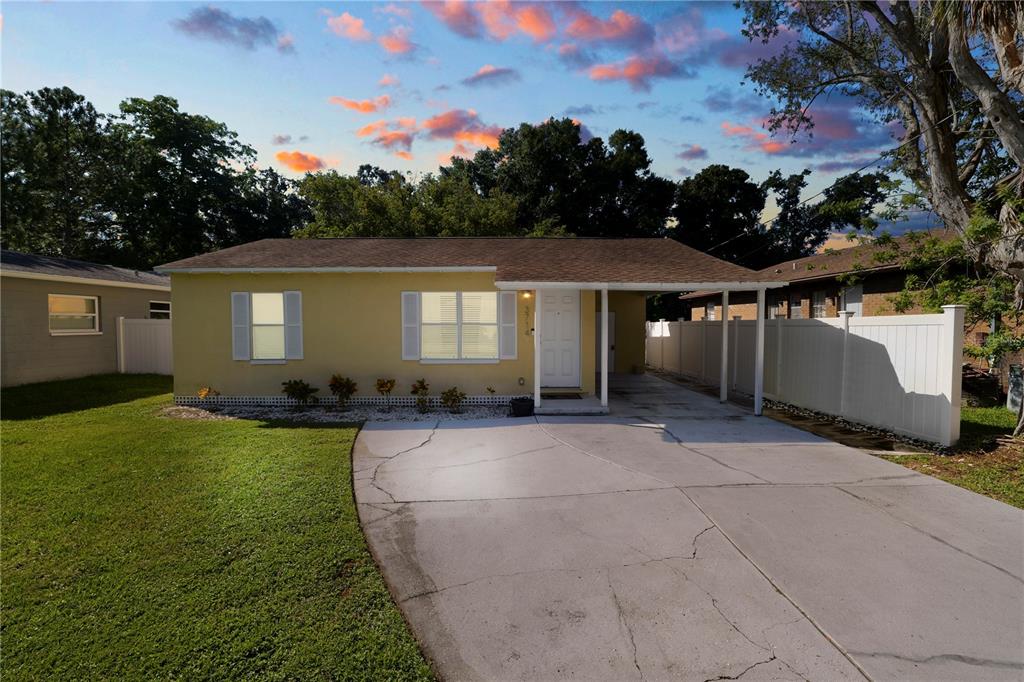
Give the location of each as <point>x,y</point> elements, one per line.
<point>951,369</point>
<point>845,316</point>
<point>735,349</point>
<point>536,347</point>
<point>120,345</point>
<point>723,366</point>
<point>604,348</point>
<point>759,356</point>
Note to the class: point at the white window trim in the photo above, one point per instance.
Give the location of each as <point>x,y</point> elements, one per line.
<point>95,331</point>
<point>169,311</point>
<point>459,360</point>
<point>252,336</point>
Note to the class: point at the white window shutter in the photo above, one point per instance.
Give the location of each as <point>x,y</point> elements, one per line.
<point>410,325</point>
<point>507,317</point>
<point>293,325</point>
<point>240,325</point>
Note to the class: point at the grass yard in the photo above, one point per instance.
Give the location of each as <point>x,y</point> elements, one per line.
<point>979,464</point>
<point>137,546</point>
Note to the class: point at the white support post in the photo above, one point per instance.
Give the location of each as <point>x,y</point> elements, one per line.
<point>120,345</point>
<point>759,356</point>
<point>779,324</point>
<point>735,349</point>
<point>844,369</point>
<point>604,348</point>
<point>951,368</point>
<point>682,349</point>
<point>723,366</point>
<point>704,350</point>
<point>536,347</point>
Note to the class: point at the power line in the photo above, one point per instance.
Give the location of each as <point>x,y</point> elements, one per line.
<point>881,157</point>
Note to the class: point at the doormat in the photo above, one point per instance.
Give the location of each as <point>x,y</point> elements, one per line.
<point>560,396</point>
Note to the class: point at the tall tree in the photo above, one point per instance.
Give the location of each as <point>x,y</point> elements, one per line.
<point>138,188</point>
<point>718,210</point>
<point>948,72</point>
<point>52,146</point>
<point>565,184</point>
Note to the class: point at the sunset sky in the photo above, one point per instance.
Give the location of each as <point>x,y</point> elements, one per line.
<point>400,85</point>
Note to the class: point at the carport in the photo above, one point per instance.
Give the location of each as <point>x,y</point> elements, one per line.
<point>549,337</point>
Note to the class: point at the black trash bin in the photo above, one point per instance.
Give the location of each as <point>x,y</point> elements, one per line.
<point>521,407</point>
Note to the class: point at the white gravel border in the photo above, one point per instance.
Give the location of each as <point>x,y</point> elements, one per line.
<point>324,413</point>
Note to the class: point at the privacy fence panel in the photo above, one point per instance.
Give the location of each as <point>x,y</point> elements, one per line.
<point>144,346</point>
<point>900,373</point>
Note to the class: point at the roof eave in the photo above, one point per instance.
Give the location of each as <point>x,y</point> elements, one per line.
<point>640,286</point>
<point>93,281</point>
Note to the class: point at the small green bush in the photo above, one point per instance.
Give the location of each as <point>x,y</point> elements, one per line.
<point>343,388</point>
<point>300,391</point>
<point>453,399</point>
<point>421,389</point>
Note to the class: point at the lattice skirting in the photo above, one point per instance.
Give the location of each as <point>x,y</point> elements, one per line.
<point>378,401</point>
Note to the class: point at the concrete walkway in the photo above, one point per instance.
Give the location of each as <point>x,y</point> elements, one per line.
<point>679,538</point>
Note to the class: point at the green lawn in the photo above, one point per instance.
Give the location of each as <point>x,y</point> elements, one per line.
<point>978,464</point>
<point>137,546</point>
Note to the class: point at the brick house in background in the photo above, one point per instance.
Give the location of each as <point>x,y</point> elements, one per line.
<point>815,291</point>
<point>814,288</point>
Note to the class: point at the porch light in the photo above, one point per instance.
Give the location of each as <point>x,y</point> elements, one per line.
<point>526,294</point>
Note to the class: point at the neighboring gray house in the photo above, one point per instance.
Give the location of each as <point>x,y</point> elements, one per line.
<point>59,317</point>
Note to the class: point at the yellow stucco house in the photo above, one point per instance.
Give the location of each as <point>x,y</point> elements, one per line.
<point>467,312</point>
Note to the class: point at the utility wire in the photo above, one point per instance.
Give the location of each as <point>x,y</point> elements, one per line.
<point>881,157</point>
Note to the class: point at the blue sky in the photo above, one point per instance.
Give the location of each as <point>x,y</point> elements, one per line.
<point>405,85</point>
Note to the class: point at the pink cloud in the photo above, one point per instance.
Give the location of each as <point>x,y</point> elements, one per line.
<point>403,154</point>
<point>693,151</point>
<point>388,80</point>
<point>456,15</point>
<point>364,106</point>
<point>396,10</point>
<point>498,19</point>
<point>300,162</point>
<point>348,26</point>
<point>755,139</point>
<point>488,74</point>
<point>390,135</point>
<point>462,125</point>
<point>621,27</point>
<point>397,41</point>
<point>637,70</point>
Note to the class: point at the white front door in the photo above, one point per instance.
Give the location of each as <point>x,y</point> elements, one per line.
<point>560,338</point>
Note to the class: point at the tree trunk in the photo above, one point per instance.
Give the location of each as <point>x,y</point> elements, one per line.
<point>996,104</point>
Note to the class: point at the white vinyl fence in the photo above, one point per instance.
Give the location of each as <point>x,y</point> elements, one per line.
<point>900,373</point>
<point>144,346</point>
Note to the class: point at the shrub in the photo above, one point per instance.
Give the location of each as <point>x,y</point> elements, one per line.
<point>453,399</point>
<point>384,387</point>
<point>207,392</point>
<point>343,388</point>
<point>300,391</point>
<point>421,389</point>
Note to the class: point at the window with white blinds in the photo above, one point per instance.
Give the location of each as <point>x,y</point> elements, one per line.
<point>459,325</point>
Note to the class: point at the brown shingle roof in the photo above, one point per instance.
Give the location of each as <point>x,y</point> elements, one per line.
<point>831,263</point>
<point>514,259</point>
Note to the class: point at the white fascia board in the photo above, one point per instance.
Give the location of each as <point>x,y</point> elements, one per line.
<point>281,271</point>
<point>83,280</point>
<point>643,286</point>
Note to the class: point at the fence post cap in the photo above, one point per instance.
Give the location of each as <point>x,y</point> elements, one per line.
<point>845,313</point>
<point>954,307</point>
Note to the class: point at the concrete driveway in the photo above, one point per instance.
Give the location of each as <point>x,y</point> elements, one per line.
<point>681,538</point>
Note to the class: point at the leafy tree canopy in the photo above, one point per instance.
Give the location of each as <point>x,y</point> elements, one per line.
<point>144,186</point>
